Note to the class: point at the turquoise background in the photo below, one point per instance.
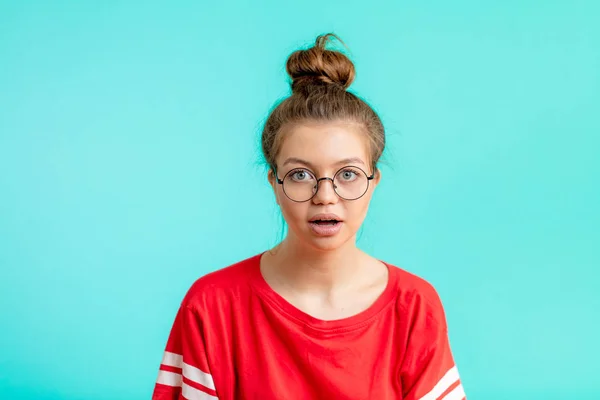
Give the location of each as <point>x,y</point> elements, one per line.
<point>130,166</point>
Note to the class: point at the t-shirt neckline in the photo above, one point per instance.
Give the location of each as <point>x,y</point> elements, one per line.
<point>319,325</point>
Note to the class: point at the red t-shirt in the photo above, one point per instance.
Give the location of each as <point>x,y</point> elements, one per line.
<point>235,338</point>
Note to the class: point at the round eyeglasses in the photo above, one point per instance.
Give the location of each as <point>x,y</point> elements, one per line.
<point>349,183</point>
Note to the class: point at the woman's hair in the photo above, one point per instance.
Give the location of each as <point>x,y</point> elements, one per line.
<point>320,78</point>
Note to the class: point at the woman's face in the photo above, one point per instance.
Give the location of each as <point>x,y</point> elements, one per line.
<point>312,151</point>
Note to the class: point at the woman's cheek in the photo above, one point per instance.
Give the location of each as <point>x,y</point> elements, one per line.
<point>358,215</point>
<point>292,214</point>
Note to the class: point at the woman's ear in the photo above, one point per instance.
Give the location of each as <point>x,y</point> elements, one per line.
<point>272,181</point>
<point>271,178</point>
<point>377,176</point>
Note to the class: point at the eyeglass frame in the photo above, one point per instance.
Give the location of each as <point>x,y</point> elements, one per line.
<point>326,178</point>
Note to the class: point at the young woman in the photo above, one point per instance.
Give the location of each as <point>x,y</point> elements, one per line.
<point>315,317</point>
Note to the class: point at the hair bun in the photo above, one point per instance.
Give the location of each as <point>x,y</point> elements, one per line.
<point>319,66</point>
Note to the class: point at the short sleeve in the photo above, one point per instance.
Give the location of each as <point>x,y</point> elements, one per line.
<point>184,371</point>
<point>429,371</point>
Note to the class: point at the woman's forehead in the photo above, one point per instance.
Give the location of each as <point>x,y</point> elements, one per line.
<point>323,145</point>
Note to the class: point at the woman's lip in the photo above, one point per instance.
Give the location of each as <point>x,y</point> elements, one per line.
<point>325,229</point>
<point>325,217</point>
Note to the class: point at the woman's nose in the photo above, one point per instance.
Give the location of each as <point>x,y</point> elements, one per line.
<point>325,192</point>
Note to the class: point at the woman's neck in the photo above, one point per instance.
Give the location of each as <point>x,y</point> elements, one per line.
<point>306,269</point>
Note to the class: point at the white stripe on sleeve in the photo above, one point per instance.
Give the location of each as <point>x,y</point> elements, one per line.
<point>458,393</point>
<point>198,376</point>
<point>191,393</point>
<point>447,380</point>
<point>172,359</point>
<point>169,378</point>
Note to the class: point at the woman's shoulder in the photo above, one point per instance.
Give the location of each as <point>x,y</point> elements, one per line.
<point>224,284</point>
<point>415,294</point>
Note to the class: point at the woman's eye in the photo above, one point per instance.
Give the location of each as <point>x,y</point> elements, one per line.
<point>348,175</point>
<point>300,175</point>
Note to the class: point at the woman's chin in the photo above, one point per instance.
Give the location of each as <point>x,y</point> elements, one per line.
<point>309,239</point>
<point>327,243</point>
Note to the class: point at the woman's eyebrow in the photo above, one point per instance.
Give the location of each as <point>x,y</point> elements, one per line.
<point>345,161</point>
<point>351,160</point>
<point>294,160</point>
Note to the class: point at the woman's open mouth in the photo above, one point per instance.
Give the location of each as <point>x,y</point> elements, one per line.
<point>326,225</point>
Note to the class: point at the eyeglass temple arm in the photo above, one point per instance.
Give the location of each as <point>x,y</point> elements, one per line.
<point>274,170</point>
